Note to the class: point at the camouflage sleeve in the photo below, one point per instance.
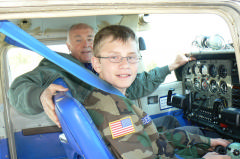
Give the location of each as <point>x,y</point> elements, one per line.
<point>184,144</point>
<point>169,142</point>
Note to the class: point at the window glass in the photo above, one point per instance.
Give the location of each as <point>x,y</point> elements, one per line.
<point>171,34</point>
<point>21,60</point>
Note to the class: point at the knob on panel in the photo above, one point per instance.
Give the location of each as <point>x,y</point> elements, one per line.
<point>212,71</point>
<point>219,104</point>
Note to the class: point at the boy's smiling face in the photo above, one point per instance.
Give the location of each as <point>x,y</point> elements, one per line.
<point>122,74</point>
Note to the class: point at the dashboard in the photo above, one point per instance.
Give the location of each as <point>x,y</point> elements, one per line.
<point>210,86</point>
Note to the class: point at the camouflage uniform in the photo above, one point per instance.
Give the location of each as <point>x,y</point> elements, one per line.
<point>144,142</point>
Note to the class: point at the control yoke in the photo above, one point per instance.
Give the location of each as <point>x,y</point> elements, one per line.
<point>177,100</point>
<point>232,150</point>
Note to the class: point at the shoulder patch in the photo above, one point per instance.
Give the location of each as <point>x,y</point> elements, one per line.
<point>121,127</point>
<point>146,119</point>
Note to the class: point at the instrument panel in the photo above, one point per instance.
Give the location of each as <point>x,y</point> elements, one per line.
<point>208,81</point>
<point>210,86</point>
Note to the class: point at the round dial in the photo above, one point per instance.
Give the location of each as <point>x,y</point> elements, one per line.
<point>204,84</point>
<point>223,87</point>
<point>195,69</point>
<point>189,71</point>
<point>197,83</point>
<point>204,70</point>
<point>213,86</point>
<point>222,71</point>
<point>213,71</point>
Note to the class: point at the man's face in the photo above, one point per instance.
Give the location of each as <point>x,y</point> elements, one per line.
<point>81,43</point>
<point>120,75</point>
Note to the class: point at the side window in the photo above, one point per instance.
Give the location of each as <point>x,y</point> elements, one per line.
<point>167,35</point>
<point>21,60</point>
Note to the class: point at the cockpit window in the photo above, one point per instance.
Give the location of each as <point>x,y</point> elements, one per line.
<point>21,60</point>
<point>171,34</point>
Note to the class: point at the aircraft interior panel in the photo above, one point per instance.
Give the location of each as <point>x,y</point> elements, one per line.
<point>211,90</point>
<point>156,103</point>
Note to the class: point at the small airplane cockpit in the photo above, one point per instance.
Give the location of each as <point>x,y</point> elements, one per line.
<point>210,91</point>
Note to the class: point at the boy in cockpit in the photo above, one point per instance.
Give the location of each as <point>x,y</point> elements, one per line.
<point>127,130</point>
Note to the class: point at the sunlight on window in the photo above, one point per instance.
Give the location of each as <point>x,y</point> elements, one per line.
<point>23,60</point>
<point>59,48</point>
<point>172,34</point>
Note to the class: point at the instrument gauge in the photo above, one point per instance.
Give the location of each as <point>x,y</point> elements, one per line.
<point>189,71</point>
<point>223,87</point>
<point>204,84</point>
<point>213,86</point>
<point>222,71</point>
<point>195,69</point>
<point>204,70</point>
<point>197,83</point>
<point>212,71</point>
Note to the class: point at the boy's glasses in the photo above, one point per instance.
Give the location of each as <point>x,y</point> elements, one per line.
<point>118,59</point>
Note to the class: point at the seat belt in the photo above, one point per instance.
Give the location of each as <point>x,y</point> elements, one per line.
<point>23,38</point>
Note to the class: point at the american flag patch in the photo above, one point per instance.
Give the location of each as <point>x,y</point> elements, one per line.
<point>121,127</point>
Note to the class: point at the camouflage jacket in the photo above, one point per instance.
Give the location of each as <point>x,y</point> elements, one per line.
<point>130,133</point>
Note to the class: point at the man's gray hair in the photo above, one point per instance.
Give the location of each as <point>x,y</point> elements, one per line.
<point>78,26</point>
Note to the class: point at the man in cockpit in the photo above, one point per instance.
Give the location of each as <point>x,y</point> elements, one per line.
<point>32,92</point>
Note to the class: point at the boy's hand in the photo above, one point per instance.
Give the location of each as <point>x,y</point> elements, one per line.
<point>214,155</point>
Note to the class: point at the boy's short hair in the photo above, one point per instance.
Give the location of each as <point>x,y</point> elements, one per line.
<point>118,32</point>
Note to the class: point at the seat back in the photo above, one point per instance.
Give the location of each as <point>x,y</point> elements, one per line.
<point>78,127</point>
